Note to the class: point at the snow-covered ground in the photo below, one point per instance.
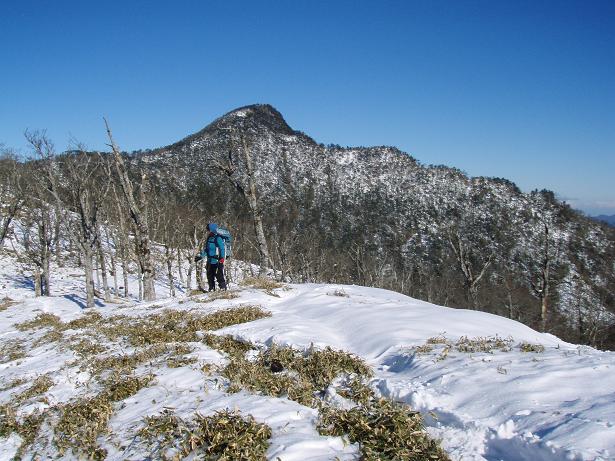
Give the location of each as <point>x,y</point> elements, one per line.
<point>558,404</point>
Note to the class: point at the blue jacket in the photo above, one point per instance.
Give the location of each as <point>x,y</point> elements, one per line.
<point>214,249</point>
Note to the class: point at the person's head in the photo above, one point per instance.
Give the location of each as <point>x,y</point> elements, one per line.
<point>212,227</point>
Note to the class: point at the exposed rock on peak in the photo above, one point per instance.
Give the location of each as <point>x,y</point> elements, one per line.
<point>256,119</point>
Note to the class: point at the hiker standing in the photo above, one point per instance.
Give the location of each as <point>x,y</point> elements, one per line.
<point>215,252</point>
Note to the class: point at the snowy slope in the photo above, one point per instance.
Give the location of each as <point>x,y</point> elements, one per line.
<point>511,405</point>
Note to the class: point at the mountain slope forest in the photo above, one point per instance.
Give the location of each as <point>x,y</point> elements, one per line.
<point>370,216</point>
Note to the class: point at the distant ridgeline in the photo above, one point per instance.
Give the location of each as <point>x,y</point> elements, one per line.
<point>610,220</point>
<point>375,216</point>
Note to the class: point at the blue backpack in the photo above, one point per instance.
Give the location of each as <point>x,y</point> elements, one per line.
<point>228,240</point>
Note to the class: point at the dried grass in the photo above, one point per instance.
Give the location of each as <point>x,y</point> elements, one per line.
<point>85,348</point>
<point>51,336</point>
<point>483,344</point>
<point>224,436</point>
<point>339,292</point>
<point>220,294</point>
<point>262,283</point>
<point>287,372</point>
<point>384,430</point>
<point>84,420</point>
<point>11,352</point>
<point>6,302</point>
<point>467,345</point>
<point>14,383</point>
<point>529,347</point>
<point>177,326</point>
<point>40,385</point>
<point>45,320</point>
<point>27,429</point>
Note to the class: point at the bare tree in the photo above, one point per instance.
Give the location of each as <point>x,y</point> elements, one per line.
<point>42,191</point>
<point>167,219</point>
<point>12,191</point>
<point>139,221</point>
<point>121,238</point>
<point>542,264</point>
<point>473,262</point>
<point>84,186</point>
<point>247,188</point>
<point>102,264</point>
<point>195,241</point>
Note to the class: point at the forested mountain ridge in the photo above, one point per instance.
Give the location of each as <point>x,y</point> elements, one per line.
<point>371,216</point>
<point>376,216</point>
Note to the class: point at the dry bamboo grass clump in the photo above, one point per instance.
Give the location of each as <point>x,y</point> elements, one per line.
<point>27,428</point>
<point>11,352</point>
<point>89,319</point>
<point>40,385</point>
<point>14,383</point>
<point>44,320</point>
<point>224,436</point>
<point>488,344</point>
<point>529,347</point>
<point>284,371</point>
<point>261,283</point>
<point>6,302</point>
<point>483,344</point>
<point>220,294</point>
<point>177,326</point>
<point>385,430</point>
<point>84,420</point>
<point>86,348</point>
<point>228,344</point>
<point>125,363</point>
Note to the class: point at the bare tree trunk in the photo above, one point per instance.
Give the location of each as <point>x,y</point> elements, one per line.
<point>37,281</point>
<point>89,279</point>
<point>250,194</point>
<point>114,271</point>
<point>169,259</point>
<point>4,227</point>
<point>122,242</point>
<point>140,279</point>
<point>103,269</point>
<point>56,237</point>
<point>45,240</point>
<point>199,276</point>
<point>179,267</point>
<point>189,275</point>
<point>97,272</point>
<point>466,266</point>
<point>144,256</point>
<point>251,197</point>
<point>125,275</point>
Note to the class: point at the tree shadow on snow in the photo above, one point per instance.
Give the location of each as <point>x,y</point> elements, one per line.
<point>24,282</point>
<point>80,301</point>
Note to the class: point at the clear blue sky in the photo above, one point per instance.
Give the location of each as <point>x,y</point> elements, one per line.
<point>518,89</point>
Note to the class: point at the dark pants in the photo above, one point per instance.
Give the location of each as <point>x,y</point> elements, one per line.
<point>216,271</point>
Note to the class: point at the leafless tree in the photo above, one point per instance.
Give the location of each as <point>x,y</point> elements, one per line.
<point>246,186</point>
<point>81,182</point>
<point>136,206</point>
<point>473,262</point>
<point>121,236</point>
<point>41,194</point>
<point>542,263</point>
<point>12,190</point>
